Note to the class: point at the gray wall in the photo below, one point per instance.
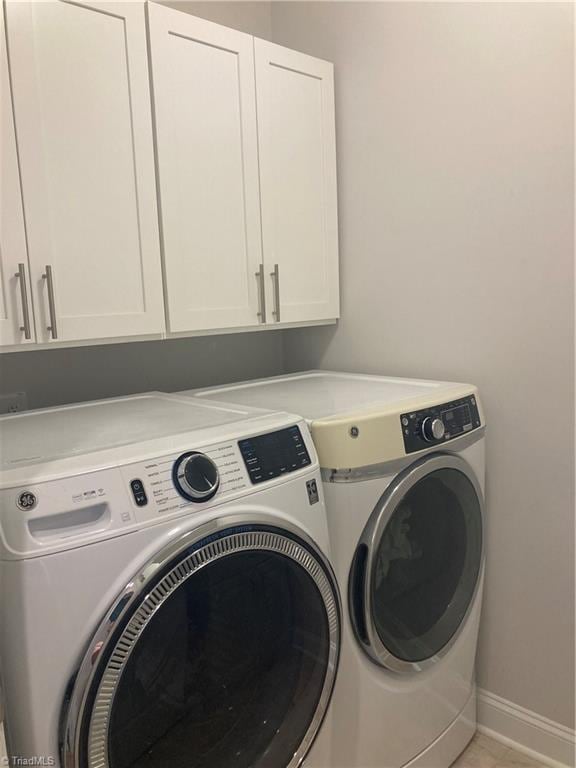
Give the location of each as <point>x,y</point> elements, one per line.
<point>455,148</point>
<point>253,17</point>
<point>54,377</point>
<point>57,376</point>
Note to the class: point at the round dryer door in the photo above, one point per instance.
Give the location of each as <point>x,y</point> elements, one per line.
<point>222,652</point>
<point>417,567</point>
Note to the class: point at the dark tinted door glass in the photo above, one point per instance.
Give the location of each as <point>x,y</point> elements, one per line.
<point>427,565</point>
<point>227,673</point>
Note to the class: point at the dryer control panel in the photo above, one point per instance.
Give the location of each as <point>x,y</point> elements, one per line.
<point>440,423</point>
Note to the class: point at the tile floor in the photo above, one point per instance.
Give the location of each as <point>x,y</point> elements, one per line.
<point>482,752</point>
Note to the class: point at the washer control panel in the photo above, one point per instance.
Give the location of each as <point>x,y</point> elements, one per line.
<point>438,424</point>
<point>62,513</point>
<point>273,454</point>
<point>169,484</point>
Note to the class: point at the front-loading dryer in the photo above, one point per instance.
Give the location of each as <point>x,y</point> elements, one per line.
<point>166,593</point>
<point>403,470</point>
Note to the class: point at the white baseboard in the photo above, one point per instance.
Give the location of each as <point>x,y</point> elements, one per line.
<point>542,739</point>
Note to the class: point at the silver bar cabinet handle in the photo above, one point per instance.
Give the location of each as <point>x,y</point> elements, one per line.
<point>261,294</point>
<point>53,327</point>
<point>21,274</point>
<point>276,278</point>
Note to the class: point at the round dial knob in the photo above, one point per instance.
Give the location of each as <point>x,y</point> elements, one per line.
<point>432,429</point>
<point>196,477</point>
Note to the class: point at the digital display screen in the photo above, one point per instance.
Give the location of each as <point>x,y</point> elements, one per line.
<point>457,418</point>
<point>273,454</point>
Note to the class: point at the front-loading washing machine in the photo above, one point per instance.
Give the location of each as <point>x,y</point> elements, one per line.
<point>166,593</point>
<point>403,469</point>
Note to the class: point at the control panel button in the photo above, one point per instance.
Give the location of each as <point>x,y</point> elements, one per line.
<point>432,429</point>
<point>139,493</point>
<point>196,476</point>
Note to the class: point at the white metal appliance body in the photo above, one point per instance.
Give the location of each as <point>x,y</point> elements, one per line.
<point>417,715</point>
<point>72,536</point>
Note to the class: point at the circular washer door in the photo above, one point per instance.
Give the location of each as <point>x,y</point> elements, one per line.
<point>226,656</point>
<point>417,566</point>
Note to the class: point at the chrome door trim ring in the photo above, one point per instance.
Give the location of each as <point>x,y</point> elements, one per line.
<point>145,593</point>
<point>371,536</point>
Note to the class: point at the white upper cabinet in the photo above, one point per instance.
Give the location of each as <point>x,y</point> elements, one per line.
<point>16,318</point>
<point>159,170</point>
<point>83,123</point>
<point>297,151</point>
<point>205,108</point>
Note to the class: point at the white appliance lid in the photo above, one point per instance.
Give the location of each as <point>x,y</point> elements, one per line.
<point>317,395</point>
<point>51,434</point>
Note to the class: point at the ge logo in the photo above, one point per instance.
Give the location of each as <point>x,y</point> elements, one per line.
<point>27,500</point>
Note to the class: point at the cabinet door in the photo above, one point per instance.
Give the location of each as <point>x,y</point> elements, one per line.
<point>205,114</point>
<point>296,134</point>
<point>16,319</point>
<point>83,122</point>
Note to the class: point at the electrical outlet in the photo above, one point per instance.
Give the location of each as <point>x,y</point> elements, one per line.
<point>13,402</point>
